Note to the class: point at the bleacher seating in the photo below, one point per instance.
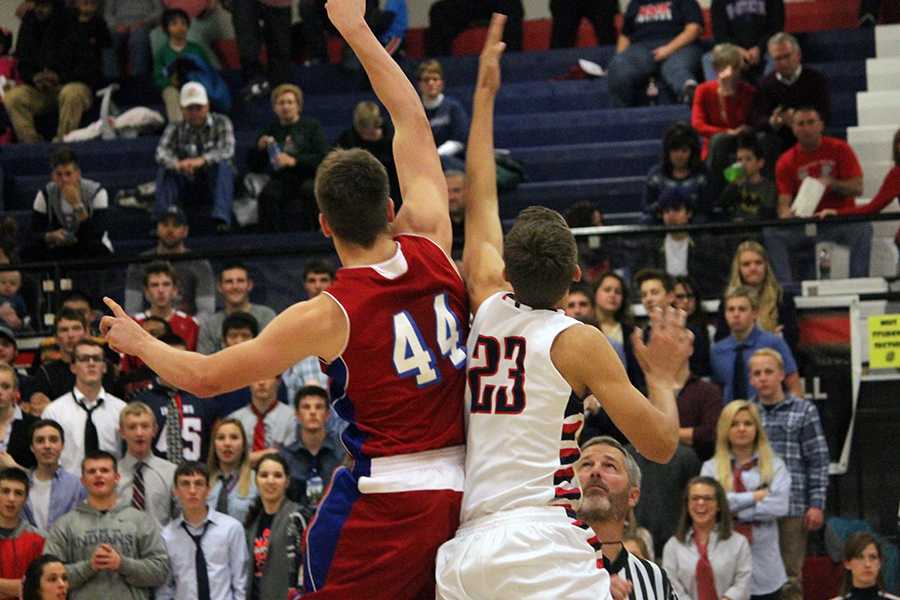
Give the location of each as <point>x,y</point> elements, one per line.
<point>574,147</point>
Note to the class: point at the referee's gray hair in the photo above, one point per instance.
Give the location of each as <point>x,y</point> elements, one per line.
<point>782,37</point>
<point>631,466</point>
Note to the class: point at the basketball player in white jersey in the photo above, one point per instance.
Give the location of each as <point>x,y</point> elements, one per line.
<point>528,366</point>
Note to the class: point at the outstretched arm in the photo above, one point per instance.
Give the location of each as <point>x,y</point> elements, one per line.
<point>425,210</point>
<point>584,357</point>
<point>483,250</point>
<point>317,327</point>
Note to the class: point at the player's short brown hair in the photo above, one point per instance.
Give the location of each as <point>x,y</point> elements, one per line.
<point>541,257</point>
<point>352,193</point>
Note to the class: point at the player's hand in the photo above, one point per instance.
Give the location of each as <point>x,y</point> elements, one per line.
<point>489,61</point>
<point>122,333</point>
<point>671,345</point>
<point>346,14</point>
<point>620,588</point>
<point>826,212</point>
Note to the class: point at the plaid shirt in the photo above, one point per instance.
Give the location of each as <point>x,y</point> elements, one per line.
<point>214,141</point>
<point>795,433</point>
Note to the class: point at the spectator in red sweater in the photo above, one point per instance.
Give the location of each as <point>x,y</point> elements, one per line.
<point>721,112</point>
<point>20,543</point>
<point>835,165</point>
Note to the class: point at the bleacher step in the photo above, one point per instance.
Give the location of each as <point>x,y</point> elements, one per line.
<point>887,41</point>
<point>877,108</point>
<point>883,74</point>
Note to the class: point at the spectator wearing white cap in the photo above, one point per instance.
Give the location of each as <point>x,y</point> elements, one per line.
<point>194,157</point>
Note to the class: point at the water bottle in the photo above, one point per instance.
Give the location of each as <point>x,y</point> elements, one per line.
<point>274,150</point>
<point>652,92</point>
<point>825,263</point>
<point>733,172</point>
<point>314,487</point>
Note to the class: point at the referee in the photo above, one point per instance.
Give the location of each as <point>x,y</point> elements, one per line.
<point>611,485</point>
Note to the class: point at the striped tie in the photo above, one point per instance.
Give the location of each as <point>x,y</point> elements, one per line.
<point>137,488</point>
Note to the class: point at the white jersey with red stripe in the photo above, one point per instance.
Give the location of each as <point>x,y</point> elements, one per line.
<point>522,419</point>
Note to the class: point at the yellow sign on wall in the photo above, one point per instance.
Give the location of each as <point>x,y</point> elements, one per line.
<point>884,341</point>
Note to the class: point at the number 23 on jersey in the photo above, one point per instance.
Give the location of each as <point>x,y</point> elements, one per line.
<point>413,357</point>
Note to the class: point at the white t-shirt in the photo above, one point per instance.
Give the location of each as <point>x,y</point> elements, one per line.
<point>676,256</point>
<point>39,496</point>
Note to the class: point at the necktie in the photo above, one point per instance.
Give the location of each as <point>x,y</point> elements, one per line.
<point>745,529</point>
<point>199,562</point>
<point>91,440</point>
<point>222,500</point>
<point>259,430</point>
<point>739,381</point>
<point>706,583</point>
<point>137,487</point>
<point>174,443</point>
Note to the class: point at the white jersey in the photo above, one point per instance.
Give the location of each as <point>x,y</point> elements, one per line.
<point>522,419</point>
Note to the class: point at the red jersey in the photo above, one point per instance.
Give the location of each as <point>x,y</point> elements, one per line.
<point>400,380</point>
<point>833,158</point>
<point>183,325</point>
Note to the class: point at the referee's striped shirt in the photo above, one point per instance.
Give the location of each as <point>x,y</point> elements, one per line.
<point>649,581</point>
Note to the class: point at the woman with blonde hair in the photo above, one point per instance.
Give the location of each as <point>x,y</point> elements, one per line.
<point>751,268</point>
<point>757,486</point>
<point>233,490</point>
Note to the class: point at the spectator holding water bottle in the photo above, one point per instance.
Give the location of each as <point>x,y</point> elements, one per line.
<point>289,149</point>
<point>316,454</point>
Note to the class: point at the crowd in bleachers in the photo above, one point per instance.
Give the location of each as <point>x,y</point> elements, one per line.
<point>87,435</point>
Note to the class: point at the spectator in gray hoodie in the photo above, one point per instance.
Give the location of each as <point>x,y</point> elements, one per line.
<point>110,551</point>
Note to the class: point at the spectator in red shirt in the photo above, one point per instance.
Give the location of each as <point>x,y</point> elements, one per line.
<point>835,165</point>
<point>161,291</point>
<point>20,543</point>
<point>721,112</point>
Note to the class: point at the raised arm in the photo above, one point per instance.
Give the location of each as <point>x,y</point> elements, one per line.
<point>483,250</point>
<point>585,359</point>
<point>317,327</point>
<point>422,185</point>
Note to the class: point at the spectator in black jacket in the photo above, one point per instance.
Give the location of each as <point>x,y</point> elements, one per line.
<point>371,133</point>
<point>59,54</point>
<point>747,25</point>
<point>67,218</point>
<point>290,149</point>
<point>790,86</point>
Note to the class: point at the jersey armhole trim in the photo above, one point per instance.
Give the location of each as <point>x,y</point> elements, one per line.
<point>573,323</point>
<point>346,318</point>
<point>436,245</point>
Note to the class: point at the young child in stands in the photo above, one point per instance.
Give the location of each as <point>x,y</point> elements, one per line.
<point>12,306</point>
<point>175,23</point>
<point>751,197</point>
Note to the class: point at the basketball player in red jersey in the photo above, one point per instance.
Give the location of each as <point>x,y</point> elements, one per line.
<point>392,331</point>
